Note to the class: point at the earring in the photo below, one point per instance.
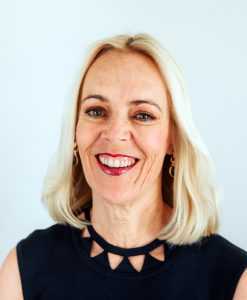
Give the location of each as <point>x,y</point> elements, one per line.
<point>172,166</point>
<point>75,158</point>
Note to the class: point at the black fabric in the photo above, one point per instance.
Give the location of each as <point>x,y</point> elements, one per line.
<point>54,263</point>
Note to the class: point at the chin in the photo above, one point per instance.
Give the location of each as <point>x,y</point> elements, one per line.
<point>116,198</point>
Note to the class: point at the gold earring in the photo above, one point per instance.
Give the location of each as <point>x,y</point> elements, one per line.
<point>172,166</point>
<point>75,158</point>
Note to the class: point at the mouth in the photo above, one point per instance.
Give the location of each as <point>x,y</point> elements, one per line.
<point>115,171</point>
<point>136,159</point>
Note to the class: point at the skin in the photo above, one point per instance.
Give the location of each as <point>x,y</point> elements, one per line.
<point>128,210</point>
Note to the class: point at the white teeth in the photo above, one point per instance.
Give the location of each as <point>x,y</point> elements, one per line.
<point>116,162</point>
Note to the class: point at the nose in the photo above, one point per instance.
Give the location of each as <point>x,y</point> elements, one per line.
<point>116,129</point>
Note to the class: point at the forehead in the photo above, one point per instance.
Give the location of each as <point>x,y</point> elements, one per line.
<point>126,72</point>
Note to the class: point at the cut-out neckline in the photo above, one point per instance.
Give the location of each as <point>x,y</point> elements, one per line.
<point>134,259</point>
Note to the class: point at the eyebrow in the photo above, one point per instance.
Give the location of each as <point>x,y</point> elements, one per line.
<point>135,102</point>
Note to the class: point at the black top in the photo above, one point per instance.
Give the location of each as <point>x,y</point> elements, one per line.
<point>56,263</point>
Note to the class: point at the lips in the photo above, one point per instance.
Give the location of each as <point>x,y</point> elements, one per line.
<point>116,155</point>
<point>112,170</point>
<point>97,157</point>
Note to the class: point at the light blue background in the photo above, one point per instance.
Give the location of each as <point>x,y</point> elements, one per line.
<point>42,49</point>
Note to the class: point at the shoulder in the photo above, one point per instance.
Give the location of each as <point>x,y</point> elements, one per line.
<point>218,246</point>
<point>40,242</point>
<point>225,262</point>
<point>10,282</point>
<point>237,258</point>
<point>39,246</point>
<point>241,290</point>
<point>19,268</point>
<point>27,253</point>
<point>49,234</point>
<point>51,231</point>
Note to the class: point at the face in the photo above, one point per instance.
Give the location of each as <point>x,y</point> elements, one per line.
<point>111,121</point>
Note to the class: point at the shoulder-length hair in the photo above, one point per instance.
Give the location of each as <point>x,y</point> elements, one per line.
<point>192,193</point>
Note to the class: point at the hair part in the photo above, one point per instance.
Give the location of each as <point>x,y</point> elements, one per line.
<point>192,193</point>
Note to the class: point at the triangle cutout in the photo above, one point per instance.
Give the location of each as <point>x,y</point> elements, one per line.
<point>114,260</point>
<point>85,232</point>
<point>137,261</point>
<point>158,253</point>
<point>96,249</point>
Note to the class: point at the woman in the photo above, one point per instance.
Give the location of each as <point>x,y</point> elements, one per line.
<point>132,191</point>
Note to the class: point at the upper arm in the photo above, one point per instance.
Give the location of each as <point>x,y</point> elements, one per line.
<point>241,290</point>
<point>10,282</point>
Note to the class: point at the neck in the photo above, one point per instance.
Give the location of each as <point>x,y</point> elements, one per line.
<point>131,225</point>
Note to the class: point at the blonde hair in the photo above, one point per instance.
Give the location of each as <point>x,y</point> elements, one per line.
<point>192,193</point>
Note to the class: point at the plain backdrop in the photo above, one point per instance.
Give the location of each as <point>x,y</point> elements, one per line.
<point>42,47</point>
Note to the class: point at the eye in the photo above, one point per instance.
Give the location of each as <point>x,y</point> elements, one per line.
<point>148,116</point>
<point>95,109</point>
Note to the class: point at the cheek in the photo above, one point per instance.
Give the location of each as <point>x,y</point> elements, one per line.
<point>155,142</point>
<point>84,135</point>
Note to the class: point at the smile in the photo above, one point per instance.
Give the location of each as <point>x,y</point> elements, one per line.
<point>115,171</point>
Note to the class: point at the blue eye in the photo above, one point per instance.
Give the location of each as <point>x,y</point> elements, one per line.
<point>96,114</point>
